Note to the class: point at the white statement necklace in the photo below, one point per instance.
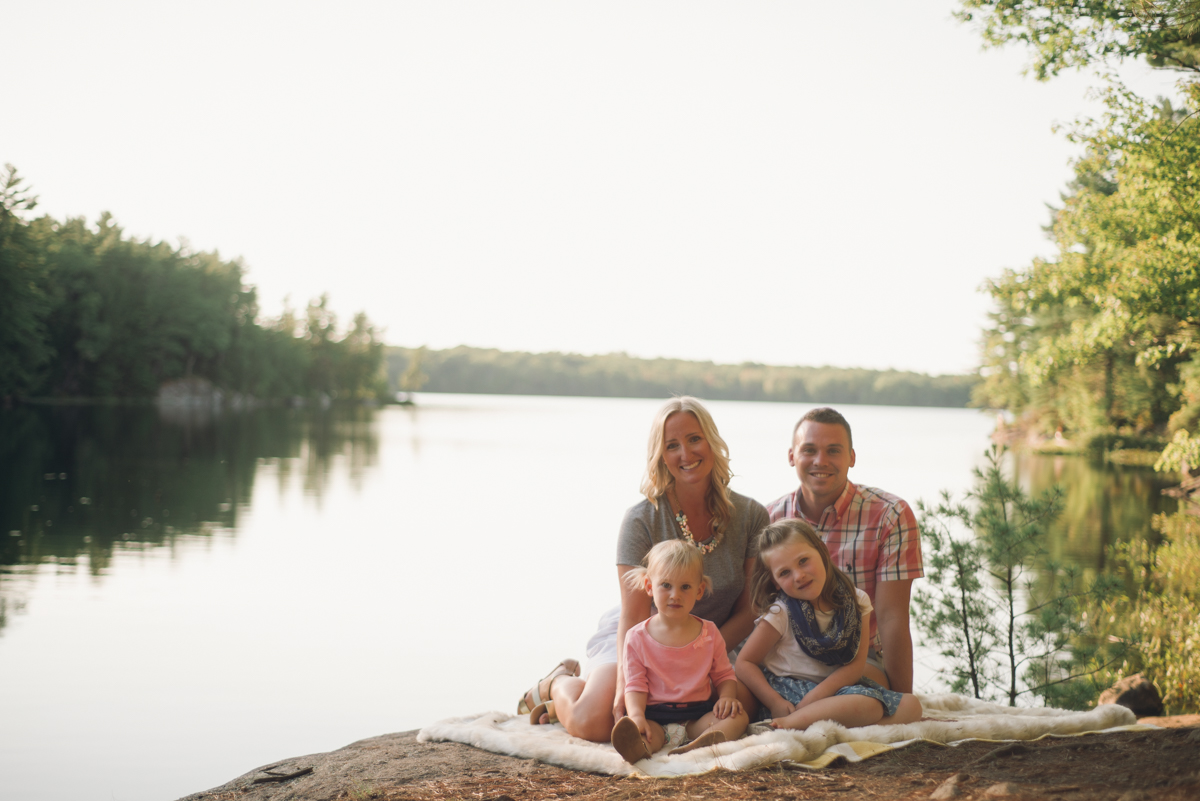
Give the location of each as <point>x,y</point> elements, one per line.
<point>705,547</point>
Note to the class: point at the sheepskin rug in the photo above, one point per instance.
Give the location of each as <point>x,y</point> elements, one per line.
<point>949,719</point>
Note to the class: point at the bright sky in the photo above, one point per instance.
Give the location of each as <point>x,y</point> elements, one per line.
<point>783,182</point>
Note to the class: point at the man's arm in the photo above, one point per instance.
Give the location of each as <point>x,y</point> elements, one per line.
<point>891,613</point>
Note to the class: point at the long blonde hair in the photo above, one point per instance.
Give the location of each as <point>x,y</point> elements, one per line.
<point>658,480</point>
<point>763,589</point>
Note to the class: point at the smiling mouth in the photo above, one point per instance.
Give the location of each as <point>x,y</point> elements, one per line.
<point>690,465</point>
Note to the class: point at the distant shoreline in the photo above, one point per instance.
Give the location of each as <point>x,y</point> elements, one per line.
<point>483,371</point>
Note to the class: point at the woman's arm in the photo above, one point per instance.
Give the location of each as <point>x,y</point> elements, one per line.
<point>845,675</point>
<point>635,607</point>
<point>760,643</point>
<point>741,619</point>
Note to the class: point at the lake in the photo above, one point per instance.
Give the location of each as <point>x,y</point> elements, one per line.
<point>187,596</point>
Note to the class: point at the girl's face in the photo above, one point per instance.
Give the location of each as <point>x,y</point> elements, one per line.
<point>797,569</point>
<point>675,593</point>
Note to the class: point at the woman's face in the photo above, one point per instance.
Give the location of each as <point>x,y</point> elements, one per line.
<point>686,451</point>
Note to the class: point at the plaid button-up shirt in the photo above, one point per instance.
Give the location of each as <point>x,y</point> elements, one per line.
<point>871,534</point>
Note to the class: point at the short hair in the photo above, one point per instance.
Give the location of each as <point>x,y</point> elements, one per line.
<point>763,589</point>
<point>669,556</point>
<point>824,414</point>
<point>658,479</point>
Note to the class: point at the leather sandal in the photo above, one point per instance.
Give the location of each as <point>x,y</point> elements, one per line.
<point>629,742</point>
<point>547,709</point>
<point>540,692</point>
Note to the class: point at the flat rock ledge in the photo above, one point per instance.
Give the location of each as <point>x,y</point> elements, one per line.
<point>390,760</point>
<point>397,760</point>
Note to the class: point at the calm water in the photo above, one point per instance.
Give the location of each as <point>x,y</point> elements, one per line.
<point>184,598</point>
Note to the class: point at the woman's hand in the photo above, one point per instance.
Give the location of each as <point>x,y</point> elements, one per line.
<point>619,701</point>
<point>727,708</point>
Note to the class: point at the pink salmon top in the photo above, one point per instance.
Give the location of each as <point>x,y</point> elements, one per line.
<point>676,674</point>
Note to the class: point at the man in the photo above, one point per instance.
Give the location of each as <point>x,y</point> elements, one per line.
<point>871,534</point>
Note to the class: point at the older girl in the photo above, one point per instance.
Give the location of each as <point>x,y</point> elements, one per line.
<point>806,656</point>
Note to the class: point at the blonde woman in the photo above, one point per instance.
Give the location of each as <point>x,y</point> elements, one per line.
<point>687,498</point>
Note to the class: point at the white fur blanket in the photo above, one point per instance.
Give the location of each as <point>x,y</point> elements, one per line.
<point>950,719</point>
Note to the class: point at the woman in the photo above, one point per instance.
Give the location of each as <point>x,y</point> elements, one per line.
<point>687,497</point>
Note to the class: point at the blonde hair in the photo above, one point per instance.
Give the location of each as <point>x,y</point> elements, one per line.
<point>669,556</point>
<point>763,588</point>
<point>658,480</point>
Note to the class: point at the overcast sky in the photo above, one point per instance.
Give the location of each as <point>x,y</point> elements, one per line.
<point>783,182</point>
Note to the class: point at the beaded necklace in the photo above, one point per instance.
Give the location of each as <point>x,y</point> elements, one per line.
<point>705,547</point>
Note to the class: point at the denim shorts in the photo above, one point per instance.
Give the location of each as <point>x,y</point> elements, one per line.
<point>795,689</point>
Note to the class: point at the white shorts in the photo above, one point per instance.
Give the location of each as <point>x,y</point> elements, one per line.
<point>602,646</point>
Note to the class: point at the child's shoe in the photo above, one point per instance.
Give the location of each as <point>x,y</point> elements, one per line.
<point>628,741</point>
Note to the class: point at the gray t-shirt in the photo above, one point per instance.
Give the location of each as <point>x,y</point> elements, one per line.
<point>644,527</point>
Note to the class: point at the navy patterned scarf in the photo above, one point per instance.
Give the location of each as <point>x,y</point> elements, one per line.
<point>838,645</point>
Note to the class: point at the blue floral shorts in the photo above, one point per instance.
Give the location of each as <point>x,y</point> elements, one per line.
<point>795,689</point>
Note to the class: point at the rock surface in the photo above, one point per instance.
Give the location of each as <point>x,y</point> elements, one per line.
<point>1163,764</point>
<point>389,760</point>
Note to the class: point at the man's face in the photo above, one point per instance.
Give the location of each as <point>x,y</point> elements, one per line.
<point>822,456</point>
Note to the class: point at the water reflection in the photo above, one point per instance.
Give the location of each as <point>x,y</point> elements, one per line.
<point>78,482</point>
<point>1104,503</point>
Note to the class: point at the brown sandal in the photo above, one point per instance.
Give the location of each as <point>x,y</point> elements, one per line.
<point>540,692</point>
<point>629,742</point>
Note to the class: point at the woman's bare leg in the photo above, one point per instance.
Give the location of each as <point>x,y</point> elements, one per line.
<point>584,708</point>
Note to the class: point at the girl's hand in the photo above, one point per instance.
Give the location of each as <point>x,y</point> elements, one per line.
<point>642,725</point>
<point>782,708</point>
<point>727,708</point>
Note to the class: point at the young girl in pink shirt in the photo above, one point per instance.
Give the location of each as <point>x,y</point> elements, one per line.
<point>674,660</point>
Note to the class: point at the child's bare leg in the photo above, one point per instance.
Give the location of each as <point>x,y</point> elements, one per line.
<point>848,710</point>
<point>909,710</point>
<point>658,736</point>
<point>710,730</point>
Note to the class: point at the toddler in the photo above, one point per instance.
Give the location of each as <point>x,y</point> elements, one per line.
<point>674,660</point>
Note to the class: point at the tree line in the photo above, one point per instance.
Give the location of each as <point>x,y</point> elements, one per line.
<point>1103,339</point>
<point>485,371</point>
<point>91,312</point>
<point>1101,342</point>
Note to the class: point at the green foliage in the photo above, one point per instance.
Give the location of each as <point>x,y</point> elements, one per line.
<point>1099,338</point>
<point>1001,613</point>
<point>1181,454</point>
<point>1076,33</point>
<point>24,351</point>
<point>1153,626</point>
<point>92,312</point>
<point>476,370</point>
